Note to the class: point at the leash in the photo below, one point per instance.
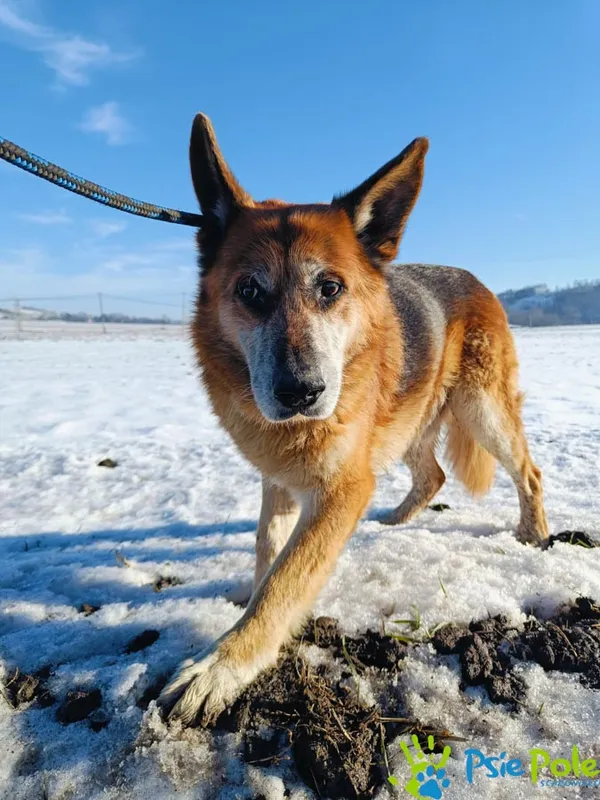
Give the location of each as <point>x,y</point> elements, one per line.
<point>41,168</point>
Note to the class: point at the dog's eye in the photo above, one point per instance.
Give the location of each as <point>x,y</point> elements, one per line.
<point>330,288</point>
<point>249,291</point>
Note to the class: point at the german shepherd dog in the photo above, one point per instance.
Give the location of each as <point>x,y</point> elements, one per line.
<point>324,362</point>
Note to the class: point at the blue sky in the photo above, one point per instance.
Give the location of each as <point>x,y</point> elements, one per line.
<point>307,100</point>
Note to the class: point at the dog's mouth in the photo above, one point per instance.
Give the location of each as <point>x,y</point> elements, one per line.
<point>288,414</point>
<point>278,412</point>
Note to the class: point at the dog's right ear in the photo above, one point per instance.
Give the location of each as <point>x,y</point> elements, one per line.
<point>218,192</point>
<point>380,206</point>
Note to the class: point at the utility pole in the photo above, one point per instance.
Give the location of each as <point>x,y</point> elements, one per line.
<point>101,312</point>
<point>18,314</point>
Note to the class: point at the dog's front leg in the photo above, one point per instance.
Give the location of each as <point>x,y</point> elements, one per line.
<point>279,514</point>
<point>205,686</point>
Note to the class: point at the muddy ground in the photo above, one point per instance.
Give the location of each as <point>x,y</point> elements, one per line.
<point>336,743</point>
<point>308,713</point>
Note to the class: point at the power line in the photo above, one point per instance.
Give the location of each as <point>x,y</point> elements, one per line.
<point>139,300</point>
<point>91,297</point>
<point>46,299</point>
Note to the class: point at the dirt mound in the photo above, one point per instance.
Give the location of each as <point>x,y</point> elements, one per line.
<point>23,688</point>
<point>314,718</point>
<point>78,705</point>
<point>579,538</point>
<point>142,641</point>
<point>330,735</point>
<point>570,642</point>
<point>489,649</point>
<point>370,649</point>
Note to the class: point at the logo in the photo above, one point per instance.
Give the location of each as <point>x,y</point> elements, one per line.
<point>429,778</point>
<point>571,771</point>
<point>428,774</point>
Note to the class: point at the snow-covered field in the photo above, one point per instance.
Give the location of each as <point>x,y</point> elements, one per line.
<point>182,503</point>
<point>27,328</point>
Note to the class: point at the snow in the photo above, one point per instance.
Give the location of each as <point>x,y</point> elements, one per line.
<point>28,327</point>
<point>183,503</point>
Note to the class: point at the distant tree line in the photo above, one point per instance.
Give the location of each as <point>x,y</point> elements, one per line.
<point>112,317</point>
<point>578,304</point>
<point>82,316</point>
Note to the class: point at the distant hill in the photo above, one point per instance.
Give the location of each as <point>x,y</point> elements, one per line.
<point>29,313</point>
<point>538,305</point>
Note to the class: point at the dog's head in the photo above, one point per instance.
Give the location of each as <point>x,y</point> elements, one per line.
<point>291,284</point>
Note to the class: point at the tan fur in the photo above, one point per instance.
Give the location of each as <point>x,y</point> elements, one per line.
<point>278,517</point>
<point>473,465</point>
<point>321,472</point>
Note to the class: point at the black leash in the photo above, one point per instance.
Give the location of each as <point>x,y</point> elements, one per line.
<point>66,180</point>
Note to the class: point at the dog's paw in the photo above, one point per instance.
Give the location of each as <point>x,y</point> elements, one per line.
<point>204,687</point>
<point>397,516</point>
<point>530,535</point>
<point>388,518</point>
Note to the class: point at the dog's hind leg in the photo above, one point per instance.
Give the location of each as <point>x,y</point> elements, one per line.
<point>427,476</point>
<point>279,514</point>
<point>493,419</point>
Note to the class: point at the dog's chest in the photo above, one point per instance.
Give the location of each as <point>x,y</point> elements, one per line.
<point>300,456</point>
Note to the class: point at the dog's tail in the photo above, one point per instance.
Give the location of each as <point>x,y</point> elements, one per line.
<point>472,465</point>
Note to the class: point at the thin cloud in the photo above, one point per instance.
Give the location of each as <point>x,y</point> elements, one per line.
<point>71,56</point>
<point>104,229</point>
<point>47,218</point>
<point>143,272</point>
<point>107,120</point>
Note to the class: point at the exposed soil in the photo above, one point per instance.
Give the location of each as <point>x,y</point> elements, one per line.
<point>142,641</point>
<point>108,462</point>
<point>370,649</point>
<point>163,582</point>
<point>313,719</point>
<point>78,705</point>
<point>570,642</point>
<point>87,609</point>
<point>489,649</point>
<point>484,660</point>
<point>316,721</point>
<point>572,537</point>
<point>22,688</point>
<point>328,733</point>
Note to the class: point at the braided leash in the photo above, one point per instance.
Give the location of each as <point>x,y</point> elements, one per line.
<point>16,155</point>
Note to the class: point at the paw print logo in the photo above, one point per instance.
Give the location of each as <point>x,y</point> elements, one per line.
<point>428,774</point>
<point>432,783</point>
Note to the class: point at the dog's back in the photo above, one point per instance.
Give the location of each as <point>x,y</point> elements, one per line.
<point>456,341</point>
<point>435,302</point>
<point>428,298</point>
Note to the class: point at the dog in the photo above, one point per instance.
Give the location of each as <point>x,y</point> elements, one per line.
<point>325,362</point>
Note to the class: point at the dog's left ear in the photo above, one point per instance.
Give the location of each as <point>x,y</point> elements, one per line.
<point>219,194</point>
<point>216,187</point>
<point>380,206</point>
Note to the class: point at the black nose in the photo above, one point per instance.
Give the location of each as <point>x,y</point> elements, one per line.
<point>294,393</point>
